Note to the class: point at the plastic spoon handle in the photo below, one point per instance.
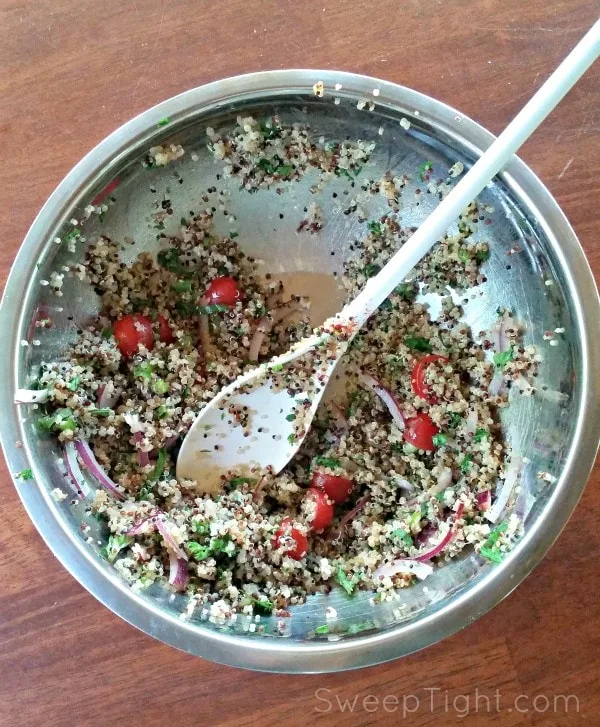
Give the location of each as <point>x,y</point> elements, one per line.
<point>483,171</point>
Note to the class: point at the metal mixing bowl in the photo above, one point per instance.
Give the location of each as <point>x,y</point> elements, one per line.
<point>548,285</point>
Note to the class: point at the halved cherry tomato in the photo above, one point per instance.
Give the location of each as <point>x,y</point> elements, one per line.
<point>223,291</point>
<point>132,331</point>
<point>420,431</point>
<point>335,487</point>
<point>165,332</point>
<point>320,509</point>
<point>417,378</point>
<point>293,541</point>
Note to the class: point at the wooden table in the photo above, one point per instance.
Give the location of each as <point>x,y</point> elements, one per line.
<point>73,70</point>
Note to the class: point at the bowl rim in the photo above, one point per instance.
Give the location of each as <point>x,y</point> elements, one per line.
<point>278,654</point>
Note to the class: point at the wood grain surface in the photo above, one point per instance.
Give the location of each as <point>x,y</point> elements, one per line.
<point>72,71</point>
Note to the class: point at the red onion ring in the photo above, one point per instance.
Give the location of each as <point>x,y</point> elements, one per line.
<point>89,460</point>
<point>178,573</point>
<point>386,396</point>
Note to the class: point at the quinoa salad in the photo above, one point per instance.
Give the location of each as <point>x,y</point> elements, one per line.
<point>403,468</point>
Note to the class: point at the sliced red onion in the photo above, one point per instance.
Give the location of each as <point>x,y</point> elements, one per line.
<point>498,333</point>
<point>74,470</point>
<point>496,384</point>
<point>502,497</point>
<point>265,325</point>
<point>472,421</point>
<point>386,396</point>
<point>170,442</point>
<point>89,460</point>
<point>108,396</point>
<point>145,526</point>
<point>258,489</point>
<point>437,549</point>
<point>337,532</point>
<point>31,396</point>
<point>170,542</point>
<point>406,566</point>
<point>178,572</point>
<point>143,457</point>
<point>484,500</point>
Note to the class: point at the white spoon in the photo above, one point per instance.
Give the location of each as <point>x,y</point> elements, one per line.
<point>277,420</point>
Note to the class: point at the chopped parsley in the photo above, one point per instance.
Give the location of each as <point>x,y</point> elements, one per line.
<point>491,554</point>
<point>163,122</point>
<point>375,228</point>
<point>74,383</point>
<point>160,386</point>
<point>482,255</point>
<point>169,259</point>
<point>115,544</point>
<point>208,310</point>
<point>144,491</point>
<point>162,411</point>
<point>237,481</point>
<point>406,291</point>
<point>348,584</point>
<point>416,343</point>
<point>466,463</point>
<point>370,270</point>
<point>219,545</point>
<point>503,357</point>
<point>144,371</point>
<point>197,551</point>
<point>268,130</point>
<point>480,435</point>
<point>455,419</point>
<point>182,286</point>
<point>101,412</point>
<point>277,367</point>
<point>61,420</point>
<point>290,417</point>
<point>439,439</point>
<point>329,462</point>
<point>291,438</point>
<point>159,467</point>
<point>401,534</point>
<point>106,333</point>
<point>324,629</point>
<point>425,170</point>
<point>25,474</point>
<point>263,606</point>
<point>201,527</point>
<point>464,255</point>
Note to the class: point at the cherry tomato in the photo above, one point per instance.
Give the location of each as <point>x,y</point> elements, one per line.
<point>320,509</point>
<point>417,378</point>
<point>335,487</point>
<point>223,291</point>
<point>132,331</point>
<point>420,431</point>
<point>165,332</point>
<point>293,541</point>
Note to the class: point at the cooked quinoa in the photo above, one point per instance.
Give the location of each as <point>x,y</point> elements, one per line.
<point>402,502</point>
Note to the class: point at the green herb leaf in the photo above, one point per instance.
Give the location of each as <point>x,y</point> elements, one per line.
<point>144,491</point>
<point>106,333</point>
<point>404,536</point>
<point>25,474</point>
<point>464,255</point>
<point>324,629</point>
<point>348,584</point>
<point>144,371</point>
<point>197,551</point>
<point>455,419</point>
<point>502,358</point>
<point>201,527</point>
<point>466,463</point>
<point>61,420</point>
<point>424,170</point>
<point>491,554</point>
<point>290,417</point>
<point>159,467</point>
<point>406,291</point>
<point>284,170</point>
<point>160,386</point>
<point>480,435</point>
<point>170,260</point>
<point>329,462</point>
<point>101,412</point>
<point>237,481</point>
<point>182,286</point>
<point>162,411</point>
<point>163,122</point>
<point>277,367</point>
<point>439,439</point>
<point>494,536</point>
<point>183,222</point>
<point>370,270</point>
<point>262,606</point>
<point>233,234</point>
<point>115,544</point>
<point>268,130</point>
<point>219,545</point>
<point>375,228</point>
<point>416,343</point>
<point>482,255</point>
<point>291,438</point>
<point>74,383</point>
<point>209,310</point>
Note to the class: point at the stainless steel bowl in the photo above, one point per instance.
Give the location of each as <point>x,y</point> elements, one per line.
<point>548,285</point>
